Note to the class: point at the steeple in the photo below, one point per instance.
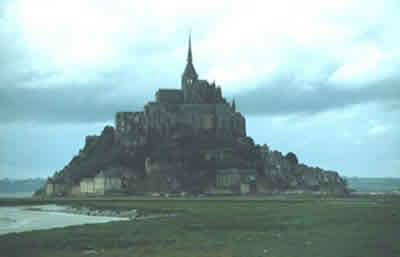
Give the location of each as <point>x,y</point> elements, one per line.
<point>190,74</point>
<point>189,56</point>
<point>233,105</point>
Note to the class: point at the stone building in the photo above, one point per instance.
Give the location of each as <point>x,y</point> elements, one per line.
<point>49,188</point>
<point>157,166</point>
<point>219,154</point>
<point>87,186</point>
<point>238,180</point>
<point>107,182</point>
<point>104,182</point>
<point>198,105</point>
<point>54,189</point>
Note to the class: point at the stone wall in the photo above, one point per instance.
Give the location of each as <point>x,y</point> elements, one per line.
<point>201,92</point>
<point>104,184</point>
<point>55,189</point>
<point>100,185</point>
<point>166,115</point>
<point>234,176</point>
<point>76,190</point>
<point>158,118</point>
<point>197,108</point>
<point>87,186</point>
<point>217,154</point>
<point>169,96</point>
<point>90,141</point>
<point>155,166</point>
<point>244,188</point>
<point>239,125</point>
<point>49,189</point>
<point>282,172</point>
<point>130,122</point>
<point>218,191</point>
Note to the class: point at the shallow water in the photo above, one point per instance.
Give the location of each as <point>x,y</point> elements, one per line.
<point>19,219</point>
<point>16,195</point>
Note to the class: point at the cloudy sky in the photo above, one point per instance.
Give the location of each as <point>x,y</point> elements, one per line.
<point>318,79</point>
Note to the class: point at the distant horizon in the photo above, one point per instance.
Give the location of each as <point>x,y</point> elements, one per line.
<point>45,178</point>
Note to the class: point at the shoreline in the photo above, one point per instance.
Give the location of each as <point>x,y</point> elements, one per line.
<point>30,218</point>
<point>128,214</point>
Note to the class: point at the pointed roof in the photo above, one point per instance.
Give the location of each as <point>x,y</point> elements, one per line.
<point>190,72</point>
<point>189,57</point>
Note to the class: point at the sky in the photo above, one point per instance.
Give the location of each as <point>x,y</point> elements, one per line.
<point>317,78</point>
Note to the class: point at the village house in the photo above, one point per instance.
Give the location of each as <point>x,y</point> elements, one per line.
<point>237,180</point>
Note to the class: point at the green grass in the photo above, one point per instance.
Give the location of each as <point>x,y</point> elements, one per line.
<point>223,227</point>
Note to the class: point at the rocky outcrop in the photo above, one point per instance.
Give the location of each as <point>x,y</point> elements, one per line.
<point>284,173</point>
<point>178,164</point>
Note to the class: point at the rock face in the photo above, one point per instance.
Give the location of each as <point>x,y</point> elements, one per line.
<point>284,173</point>
<point>189,139</point>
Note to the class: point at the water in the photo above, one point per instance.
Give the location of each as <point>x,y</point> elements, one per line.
<point>19,219</point>
<point>16,195</point>
<point>374,184</point>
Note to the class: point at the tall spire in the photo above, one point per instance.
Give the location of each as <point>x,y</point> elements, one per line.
<point>189,57</point>
<point>190,72</point>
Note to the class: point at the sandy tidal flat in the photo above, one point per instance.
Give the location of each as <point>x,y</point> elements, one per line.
<point>21,218</point>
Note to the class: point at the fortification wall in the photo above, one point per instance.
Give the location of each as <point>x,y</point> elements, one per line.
<point>76,190</point>
<point>159,117</point>
<point>129,122</point>
<point>201,92</point>
<point>164,118</point>
<point>169,96</point>
<point>239,125</point>
<point>198,108</point>
<point>87,186</point>
<point>155,166</point>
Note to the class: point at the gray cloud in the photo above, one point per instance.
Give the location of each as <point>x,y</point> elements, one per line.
<point>65,104</point>
<point>89,103</point>
<point>286,96</point>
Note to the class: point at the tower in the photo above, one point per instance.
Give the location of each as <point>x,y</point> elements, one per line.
<point>189,75</point>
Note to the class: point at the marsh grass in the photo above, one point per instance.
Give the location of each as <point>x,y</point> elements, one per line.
<point>222,227</point>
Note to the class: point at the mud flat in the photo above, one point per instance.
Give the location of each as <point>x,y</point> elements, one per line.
<point>27,218</point>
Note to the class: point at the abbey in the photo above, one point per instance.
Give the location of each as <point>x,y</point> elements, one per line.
<point>197,106</point>
<point>186,140</point>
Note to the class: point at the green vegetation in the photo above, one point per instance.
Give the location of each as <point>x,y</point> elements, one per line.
<point>222,227</point>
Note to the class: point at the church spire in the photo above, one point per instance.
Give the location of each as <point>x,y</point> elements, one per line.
<point>189,57</point>
<point>189,74</point>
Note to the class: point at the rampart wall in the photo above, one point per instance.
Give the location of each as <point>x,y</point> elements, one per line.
<point>129,122</point>
<point>169,96</point>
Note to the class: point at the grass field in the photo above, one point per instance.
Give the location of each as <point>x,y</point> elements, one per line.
<point>222,227</point>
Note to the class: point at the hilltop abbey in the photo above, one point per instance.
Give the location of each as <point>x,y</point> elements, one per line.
<point>187,140</point>
<point>198,106</point>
